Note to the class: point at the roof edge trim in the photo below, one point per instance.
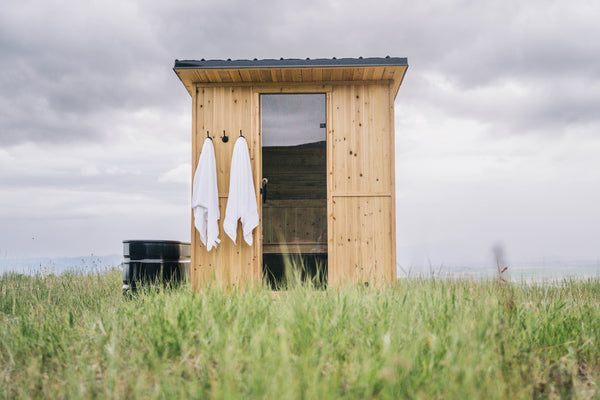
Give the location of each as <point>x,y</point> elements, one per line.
<point>291,63</point>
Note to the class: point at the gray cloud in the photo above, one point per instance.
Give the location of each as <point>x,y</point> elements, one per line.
<point>64,76</point>
<point>89,103</point>
<point>91,61</point>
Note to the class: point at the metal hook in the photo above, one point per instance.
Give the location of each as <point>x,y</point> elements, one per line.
<point>241,133</point>
<point>208,135</point>
<point>224,138</point>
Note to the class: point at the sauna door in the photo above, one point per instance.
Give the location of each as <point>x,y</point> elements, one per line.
<point>294,187</point>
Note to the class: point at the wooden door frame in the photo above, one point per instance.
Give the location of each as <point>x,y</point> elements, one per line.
<point>257,91</point>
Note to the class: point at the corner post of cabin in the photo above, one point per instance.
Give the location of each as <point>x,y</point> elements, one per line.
<point>194,163</point>
<point>392,110</point>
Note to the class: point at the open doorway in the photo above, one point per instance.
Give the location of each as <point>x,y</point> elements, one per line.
<point>294,188</point>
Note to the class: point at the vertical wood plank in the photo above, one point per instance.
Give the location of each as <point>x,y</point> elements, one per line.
<point>331,259</point>
<point>358,242</point>
<point>307,75</point>
<point>255,75</point>
<point>363,155</point>
<point>358,74</point>
<point>378,73</point>
<point>378,245</point>
<point>274,76</point>
<point>296,74</point>
<point>361,184</point>
<point>373,140</point>
<point>337,74</point>
<point>256,154</point>
<point>212,76</point>
<point>354,142</point>
<point>193,251</point>
<point>392,183</point>
<point>369,231</point>
<point>227,248</point>
<point>347,74</point>
<point>265,75</point>
<point>245,75</point>
<point>348,139</point>
<point>317,74</point>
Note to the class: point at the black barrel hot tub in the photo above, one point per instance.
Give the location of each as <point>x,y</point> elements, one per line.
<point>147,261</point>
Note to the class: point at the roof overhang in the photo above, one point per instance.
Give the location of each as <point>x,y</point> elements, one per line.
<point>294,71</point>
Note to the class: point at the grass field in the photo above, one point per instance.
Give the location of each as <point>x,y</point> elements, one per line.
<point>75,336</point>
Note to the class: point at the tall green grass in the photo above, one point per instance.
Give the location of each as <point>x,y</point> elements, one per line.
<point>76,336</point>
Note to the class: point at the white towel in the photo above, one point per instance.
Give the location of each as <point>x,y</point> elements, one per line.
<point>205,197</point>
<point>241,203</point>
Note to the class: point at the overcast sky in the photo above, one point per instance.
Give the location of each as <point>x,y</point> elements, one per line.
<point>291,120</point>
<point>497,121</point>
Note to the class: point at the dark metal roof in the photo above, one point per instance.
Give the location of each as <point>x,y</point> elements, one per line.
<point>291,63</point>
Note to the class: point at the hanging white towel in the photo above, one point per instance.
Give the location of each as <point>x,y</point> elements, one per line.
<point>205,197</point>
<point>241,203</point>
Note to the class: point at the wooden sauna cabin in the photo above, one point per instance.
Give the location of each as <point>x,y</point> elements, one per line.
<point>320,134</point>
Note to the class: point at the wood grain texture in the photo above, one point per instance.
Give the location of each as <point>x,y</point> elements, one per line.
<point>362,185</point>
<point>294,223</point>
<point>362,241</point>
<point>219,109</point>
<point>284,75</point>
<point>360,194</point>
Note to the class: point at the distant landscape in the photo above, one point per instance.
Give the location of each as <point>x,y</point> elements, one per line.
<point>57,265</point>
<point>532,271</point>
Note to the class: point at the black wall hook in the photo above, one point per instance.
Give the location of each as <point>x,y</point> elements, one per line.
<point>241,133</point>
<point>208,135</point>
<point>225,138</point>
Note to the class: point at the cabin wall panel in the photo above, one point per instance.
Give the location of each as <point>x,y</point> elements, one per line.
<point>362,240</point>
<point>361,185</point>
<point>360,179</point>
<point>219,109</point>
<point>362,139</point>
